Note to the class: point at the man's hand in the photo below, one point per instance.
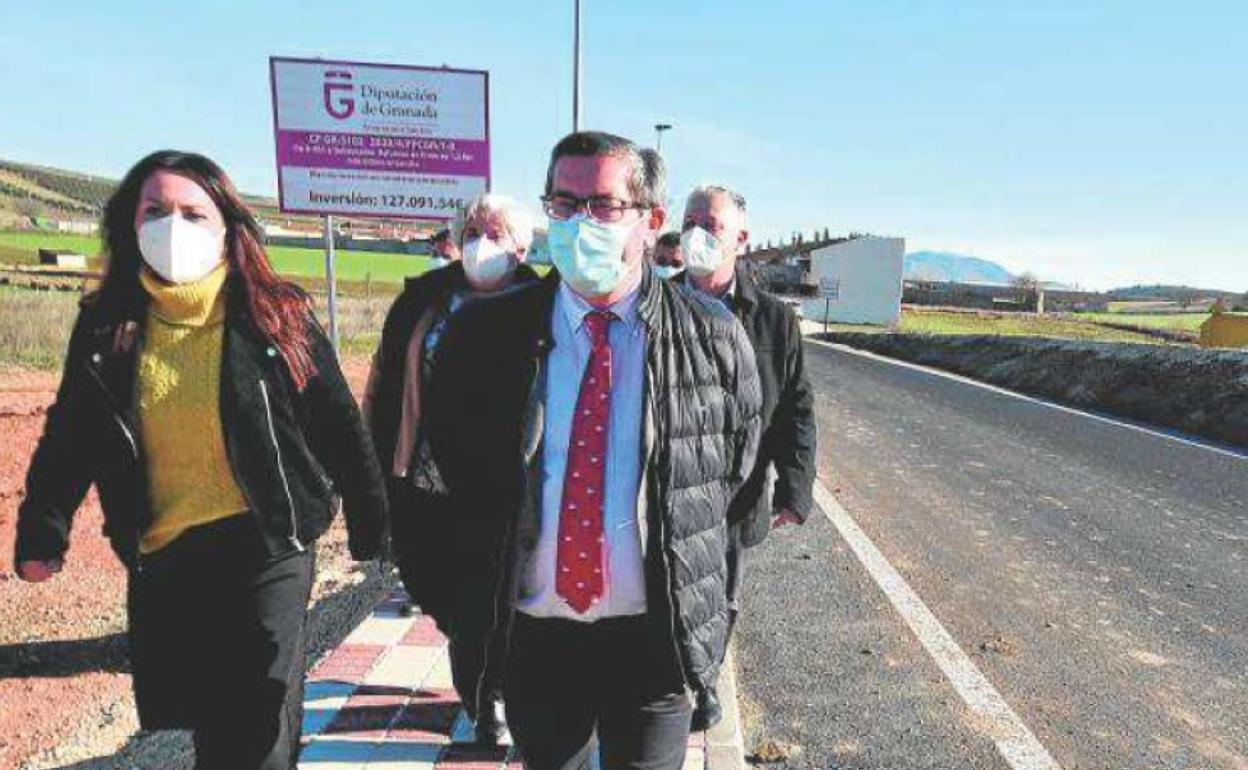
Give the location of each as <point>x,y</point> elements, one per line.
<point>38,571</point>
<point>783,517</point>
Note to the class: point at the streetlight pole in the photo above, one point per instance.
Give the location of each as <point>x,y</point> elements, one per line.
<point>576,67</point>
<point>659,128</point>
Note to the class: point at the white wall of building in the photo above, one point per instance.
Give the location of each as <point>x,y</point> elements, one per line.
<point>867,273</point>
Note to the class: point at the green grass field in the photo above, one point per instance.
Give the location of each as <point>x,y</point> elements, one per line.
<point>949,323</point>
<point>1179,322</point>
<point>1013,326</point>
<point>352,266</point>
<point>32,242</point>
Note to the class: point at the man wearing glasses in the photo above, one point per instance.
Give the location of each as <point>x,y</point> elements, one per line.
<point>592,430</point>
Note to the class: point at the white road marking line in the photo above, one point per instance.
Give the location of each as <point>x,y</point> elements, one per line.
<point>1015,742</point>
<point>1030,399</point>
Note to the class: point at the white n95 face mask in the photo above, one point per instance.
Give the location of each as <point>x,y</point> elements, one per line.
<point>702,252</point>
<point>486,261</point>
<point>180,251</point>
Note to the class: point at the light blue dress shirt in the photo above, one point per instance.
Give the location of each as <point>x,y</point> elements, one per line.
<point>625,585</point>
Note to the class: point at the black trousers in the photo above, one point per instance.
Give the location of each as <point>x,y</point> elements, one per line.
<point>468,663</point>
<point>217,632</point>
<point>571,687</point>
<point>423,538</point>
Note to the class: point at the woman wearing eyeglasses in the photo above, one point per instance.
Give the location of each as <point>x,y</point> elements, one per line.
<point>493,236</point>
<point>203,400</point>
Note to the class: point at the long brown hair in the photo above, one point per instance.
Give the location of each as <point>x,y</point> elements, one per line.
<point>277,309</point>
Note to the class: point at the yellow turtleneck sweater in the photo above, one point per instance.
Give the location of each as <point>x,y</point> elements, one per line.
<point>189,478</point>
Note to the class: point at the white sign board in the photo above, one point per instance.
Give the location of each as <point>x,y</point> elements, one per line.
<point>830,288</point>
<point>379,140</point>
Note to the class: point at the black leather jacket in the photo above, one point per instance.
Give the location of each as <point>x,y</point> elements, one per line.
<point>293,454</point>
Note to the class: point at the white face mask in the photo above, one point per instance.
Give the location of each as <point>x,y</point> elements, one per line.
<point>702,252</point>
<point>180,251</point>
<point>486,261</point>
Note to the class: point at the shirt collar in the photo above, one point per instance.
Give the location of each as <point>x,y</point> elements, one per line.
<point>575,307</point>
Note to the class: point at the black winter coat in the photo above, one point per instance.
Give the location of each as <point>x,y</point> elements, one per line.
<point>788,442</point>
<point>700,435</point>
<point>430,291</point>
<point>293,453</point>
<point>421,517</point>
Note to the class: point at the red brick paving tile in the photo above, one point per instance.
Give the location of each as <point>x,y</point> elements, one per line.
<point>348,663</point>
<point>423,634</point>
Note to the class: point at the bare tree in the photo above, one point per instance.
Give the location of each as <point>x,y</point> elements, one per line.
<point>1026,289</point>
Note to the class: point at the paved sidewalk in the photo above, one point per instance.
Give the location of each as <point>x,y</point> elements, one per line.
<point>383,700</point>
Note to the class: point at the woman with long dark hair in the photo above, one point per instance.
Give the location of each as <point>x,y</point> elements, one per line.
<point>204,401</point>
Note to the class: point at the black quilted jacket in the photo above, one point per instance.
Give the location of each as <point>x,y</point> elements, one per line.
<point>700,437</point>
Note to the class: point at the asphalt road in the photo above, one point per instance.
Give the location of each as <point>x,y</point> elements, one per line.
<point>1093,573</point>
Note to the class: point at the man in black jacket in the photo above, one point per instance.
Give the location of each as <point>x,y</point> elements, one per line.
<point>592,429</point>
<point>713,234</point>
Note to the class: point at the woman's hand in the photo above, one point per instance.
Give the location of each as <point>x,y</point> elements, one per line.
<point>38,571</point>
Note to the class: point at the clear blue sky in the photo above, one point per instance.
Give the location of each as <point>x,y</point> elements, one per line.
<point>1098,142</point>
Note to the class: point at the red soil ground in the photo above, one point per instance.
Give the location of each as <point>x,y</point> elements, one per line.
<point>64,686</point>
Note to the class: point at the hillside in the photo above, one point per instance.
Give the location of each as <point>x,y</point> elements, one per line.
<point>958,268</point>
<point>1159,292</point>
<point>39,191</point>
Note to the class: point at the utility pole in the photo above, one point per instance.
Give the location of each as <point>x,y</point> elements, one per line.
<point>659,128</point>
<point>576,67</point>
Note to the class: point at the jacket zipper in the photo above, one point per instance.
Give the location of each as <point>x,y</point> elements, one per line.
<point>116,415</point>
<point>281,470</point>
<point>130,439</point>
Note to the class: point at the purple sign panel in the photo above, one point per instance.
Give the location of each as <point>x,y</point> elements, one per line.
<point>379,139</point>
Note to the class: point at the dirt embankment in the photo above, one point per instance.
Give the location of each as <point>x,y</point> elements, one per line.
<point>1203,392</point>
<point>65,698</point>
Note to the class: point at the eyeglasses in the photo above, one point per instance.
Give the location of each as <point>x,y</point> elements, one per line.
<point>605,210</point>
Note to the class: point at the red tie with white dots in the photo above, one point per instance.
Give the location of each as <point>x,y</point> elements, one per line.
<point>579,578</point>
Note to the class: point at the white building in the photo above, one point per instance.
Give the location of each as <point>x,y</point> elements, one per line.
<point>859,281</point>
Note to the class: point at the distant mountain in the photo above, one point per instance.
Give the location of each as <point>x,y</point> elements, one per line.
<point>959,268</point>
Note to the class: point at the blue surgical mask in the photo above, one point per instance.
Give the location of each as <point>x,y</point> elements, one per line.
<point>668,271</point>
<point>588,254</point>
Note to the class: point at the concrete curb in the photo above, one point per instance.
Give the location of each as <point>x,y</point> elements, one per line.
<point>725,742</point>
